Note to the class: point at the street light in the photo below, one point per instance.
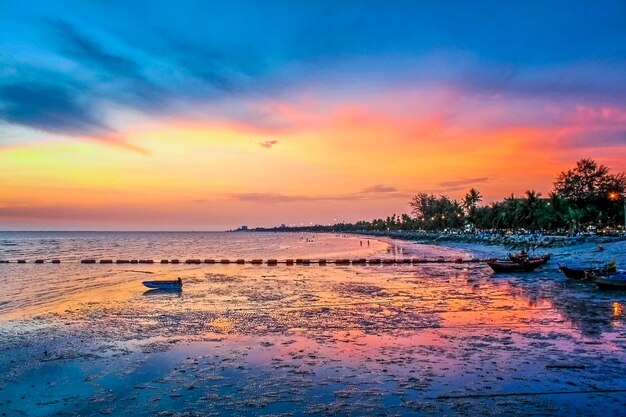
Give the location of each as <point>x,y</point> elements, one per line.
<point>614,196</point>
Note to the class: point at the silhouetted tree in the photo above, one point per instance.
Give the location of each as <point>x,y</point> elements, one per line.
<point>470,201</point>
<point>588,188</point>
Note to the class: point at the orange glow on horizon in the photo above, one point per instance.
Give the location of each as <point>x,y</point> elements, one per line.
<point>319,168</point>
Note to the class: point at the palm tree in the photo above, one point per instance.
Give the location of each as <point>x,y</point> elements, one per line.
<point>530,210</point>
<point>472,198</point>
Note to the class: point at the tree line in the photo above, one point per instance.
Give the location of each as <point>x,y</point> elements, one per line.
<point>584,197</point>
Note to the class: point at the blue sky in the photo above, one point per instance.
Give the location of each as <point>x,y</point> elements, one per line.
<point>82,57</point>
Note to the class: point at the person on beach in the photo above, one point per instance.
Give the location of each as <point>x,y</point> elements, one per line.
<point>368,242</point>
<point>361,242</point>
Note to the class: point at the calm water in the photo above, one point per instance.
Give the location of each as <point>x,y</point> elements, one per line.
<point>25,287</point>
<point>256,340</point>
<point>73,246</point>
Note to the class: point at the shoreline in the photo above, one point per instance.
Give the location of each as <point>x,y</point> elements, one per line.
<point>592,251</point>
<point>511,242</point>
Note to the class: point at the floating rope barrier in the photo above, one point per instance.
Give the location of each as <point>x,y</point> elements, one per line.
<point>271,262</point>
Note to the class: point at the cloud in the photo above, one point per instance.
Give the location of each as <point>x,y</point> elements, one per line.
<point>78,46</point>
<point>382,189</point>
<point>73,212</point>
<point>590,138</point>
<point>269,198</point>
<point>45,107</point>
<point>374,193</point>
<point>224,69</point>
<point>268,144</point>
<point>595,83</point>
<point>456,185</point>
<point>185,62</point>
<point>108,76</point>
<point>56,110</point>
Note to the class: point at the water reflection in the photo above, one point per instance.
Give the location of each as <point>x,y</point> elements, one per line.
<point>328,341</point>
<point>588,310</point>
<point>164,292</point>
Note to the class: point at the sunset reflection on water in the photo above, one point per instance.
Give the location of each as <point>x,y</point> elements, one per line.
<point>329,336</point>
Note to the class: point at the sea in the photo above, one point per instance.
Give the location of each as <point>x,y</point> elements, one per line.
<point>291,340</point>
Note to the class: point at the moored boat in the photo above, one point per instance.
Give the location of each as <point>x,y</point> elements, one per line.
<point>510,266</point>
<point>518,257</point>
<point>521,257</point>
<point>616,281</point>
<point>584,273</point>
<point>176,284</point>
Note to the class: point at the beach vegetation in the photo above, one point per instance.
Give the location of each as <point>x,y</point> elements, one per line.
<point>585,198</point>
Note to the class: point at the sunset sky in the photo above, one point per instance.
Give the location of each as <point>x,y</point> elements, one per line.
<point>202,115</point>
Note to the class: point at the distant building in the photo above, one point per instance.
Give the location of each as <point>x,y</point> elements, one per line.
<point>244,228</point>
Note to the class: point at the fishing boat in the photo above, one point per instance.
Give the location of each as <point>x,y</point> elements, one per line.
<point>510,266</point>
<point>584,273</point>
<point>521,257</point>
<point>518,257</point>
<point>176,284</point>
<point>615,281</point>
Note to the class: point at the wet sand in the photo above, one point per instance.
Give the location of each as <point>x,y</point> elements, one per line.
<point>358,340</point>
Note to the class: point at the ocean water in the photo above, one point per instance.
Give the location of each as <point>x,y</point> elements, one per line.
<point>73,246</point>
<point>26,287</point>
<point>430,339</point>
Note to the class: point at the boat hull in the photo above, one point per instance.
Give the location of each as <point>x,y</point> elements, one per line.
<point>610,284</point>
<point>616,281</point>
<point>510,266</point>
<point>164,285</point>
<point>584,273</point>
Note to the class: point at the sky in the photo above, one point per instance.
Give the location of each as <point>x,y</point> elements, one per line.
<point>206,115</point>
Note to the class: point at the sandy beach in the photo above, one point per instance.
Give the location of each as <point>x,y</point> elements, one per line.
<point>358,340</point>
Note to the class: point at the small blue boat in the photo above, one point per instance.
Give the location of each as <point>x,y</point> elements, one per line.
<point>165,284</point>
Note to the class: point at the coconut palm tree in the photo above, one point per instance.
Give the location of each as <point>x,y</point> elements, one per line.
<point>471,200</point>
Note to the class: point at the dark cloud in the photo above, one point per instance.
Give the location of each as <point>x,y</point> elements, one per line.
<point>83,49</point>
<point>66,103</point>
<point>225,70</point>
<point>268,144</point>
<point>56,110</point>
<point>51,108</point>
<point>116,78</point>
